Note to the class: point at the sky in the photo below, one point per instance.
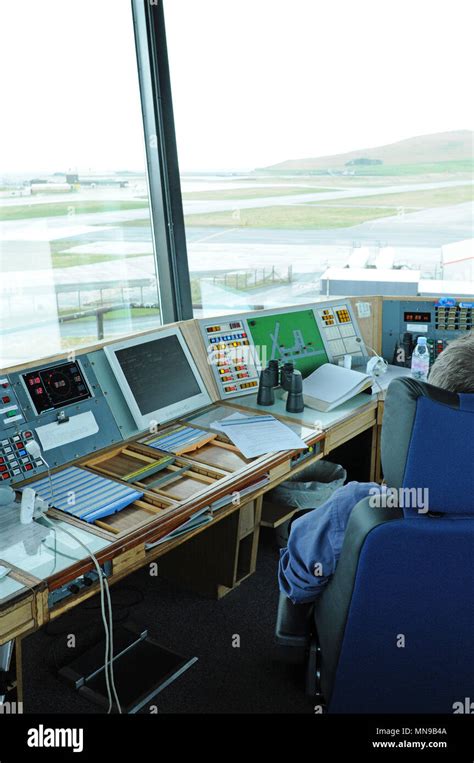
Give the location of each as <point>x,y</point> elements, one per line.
<point>254,81</point>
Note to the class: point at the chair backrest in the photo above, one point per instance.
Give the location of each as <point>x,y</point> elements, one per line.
<point>428,444</point>
<point>404,641</point>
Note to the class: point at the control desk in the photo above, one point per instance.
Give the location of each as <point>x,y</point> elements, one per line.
<point>84,403</point>
<point>127,428</point>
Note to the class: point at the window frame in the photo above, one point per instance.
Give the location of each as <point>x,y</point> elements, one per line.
<point>166,206</point>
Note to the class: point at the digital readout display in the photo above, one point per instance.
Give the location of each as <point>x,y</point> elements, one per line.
<point>417,317</point>
<point>56,386</point>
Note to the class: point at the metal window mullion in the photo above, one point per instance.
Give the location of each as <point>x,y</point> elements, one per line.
<point>168,232</point>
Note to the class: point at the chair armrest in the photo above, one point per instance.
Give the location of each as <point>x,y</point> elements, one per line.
<point>332,607</point>
<point>294,623</point>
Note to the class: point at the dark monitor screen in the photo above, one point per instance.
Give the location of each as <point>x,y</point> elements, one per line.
<point>158,373</point>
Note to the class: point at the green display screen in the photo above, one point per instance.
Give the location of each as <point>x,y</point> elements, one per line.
<point>289,337</point>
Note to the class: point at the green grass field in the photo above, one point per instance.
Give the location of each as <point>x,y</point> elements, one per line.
<point>134,312</point>
<point>462,165</point>
<point>66,208</point>
<point>290,217</point>
<point>381,170</point>
<point>436,197</point>
<point>250,193</point>
<point>336,213</point>
<point>65,260</point>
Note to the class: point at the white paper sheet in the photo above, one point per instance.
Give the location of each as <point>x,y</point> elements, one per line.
<point>257,435</point>
<point>55,435</point>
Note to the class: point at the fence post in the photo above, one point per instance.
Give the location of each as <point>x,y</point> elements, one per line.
<point>100,324</point>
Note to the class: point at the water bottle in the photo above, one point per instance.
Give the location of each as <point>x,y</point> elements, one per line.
<point>420,360</point>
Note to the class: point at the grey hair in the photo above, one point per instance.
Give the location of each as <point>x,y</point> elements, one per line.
<point>454,368</point>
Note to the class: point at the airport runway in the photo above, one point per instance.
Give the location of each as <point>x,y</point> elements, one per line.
<point>10,230</point>
<point>430,227</point>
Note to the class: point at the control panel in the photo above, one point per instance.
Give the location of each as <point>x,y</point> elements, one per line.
<point>59,405</point>
<point>241,345</point>
<point>79,584</point>
<point>454,318</point>
<point>340,332</point>
<point>232,356</point>
<point>440,321</point>
<point>11,414</point>
<point>15,462</point>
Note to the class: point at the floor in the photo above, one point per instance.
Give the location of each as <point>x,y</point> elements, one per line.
<point>249,678</point>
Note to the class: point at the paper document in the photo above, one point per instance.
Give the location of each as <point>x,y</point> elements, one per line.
<point>56,435</point>
<point>256,435</point>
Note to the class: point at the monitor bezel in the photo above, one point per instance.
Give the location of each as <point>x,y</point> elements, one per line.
<point>160,415</point>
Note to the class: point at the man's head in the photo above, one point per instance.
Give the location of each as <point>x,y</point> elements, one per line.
<point>454,368</point>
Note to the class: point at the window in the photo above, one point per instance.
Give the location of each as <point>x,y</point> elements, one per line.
<point>76,246</point>
<point>315,137</point>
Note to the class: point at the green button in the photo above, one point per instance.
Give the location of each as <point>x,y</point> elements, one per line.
<point>11,413</point>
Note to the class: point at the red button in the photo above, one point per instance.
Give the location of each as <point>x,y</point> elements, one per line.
<point>3,468</point>
<point>5,385</point>
<point>5,399</point>
<point>5,476</point>
<point>27,434</point>
<point>20,445</point>
<point>28,467</point>
<point>2,460</point>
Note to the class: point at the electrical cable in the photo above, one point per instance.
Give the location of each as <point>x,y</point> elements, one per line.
<point>376,354</point>
<point>111,630</point>
<point>34,449</point>
<point>107,662</point>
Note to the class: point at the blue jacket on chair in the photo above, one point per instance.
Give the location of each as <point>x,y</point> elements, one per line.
<point>315,543</point>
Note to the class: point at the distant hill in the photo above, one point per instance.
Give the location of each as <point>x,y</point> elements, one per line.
<point>423,149</point>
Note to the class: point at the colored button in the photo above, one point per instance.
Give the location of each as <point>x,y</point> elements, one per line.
<point>22,453</point>
<point>28,467</point>
<point>28,435</point>
<point>3,468</point>
<point>20,445</point>
<point>5,476</point>
<point>5,399</point>
<point>12,413</point>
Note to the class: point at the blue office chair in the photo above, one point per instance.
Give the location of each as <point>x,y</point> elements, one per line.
<point>393,632</point>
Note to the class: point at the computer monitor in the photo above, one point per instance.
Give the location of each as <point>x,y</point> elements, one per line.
<point>158,377</point>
